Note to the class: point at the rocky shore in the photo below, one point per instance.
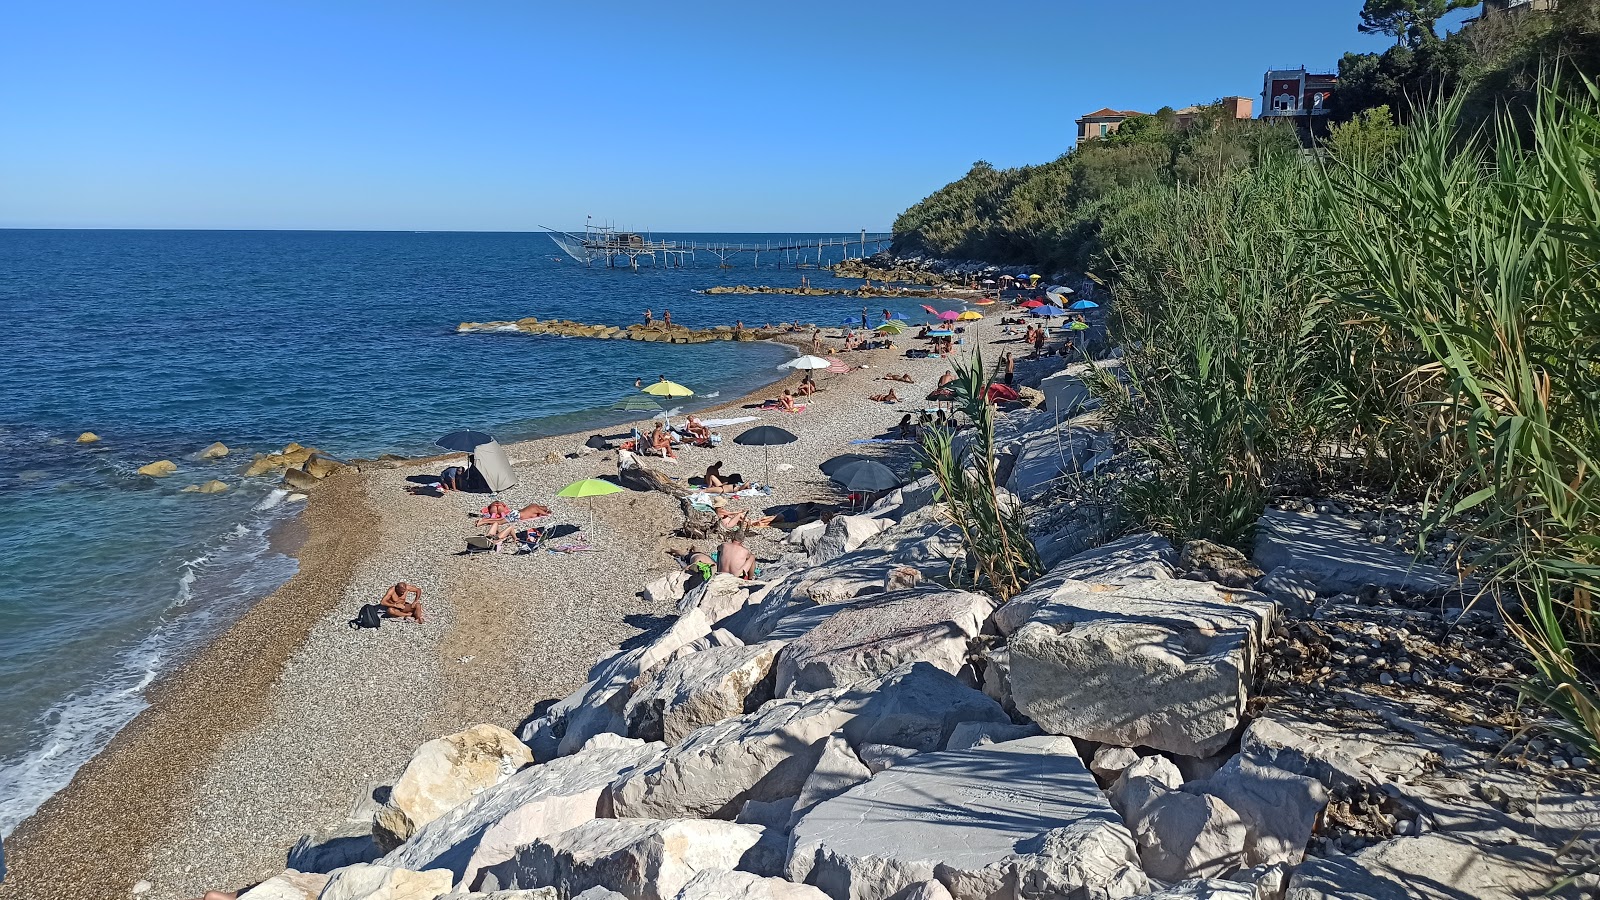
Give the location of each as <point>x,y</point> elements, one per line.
<point>1325,716</point>
<point>655,333</point>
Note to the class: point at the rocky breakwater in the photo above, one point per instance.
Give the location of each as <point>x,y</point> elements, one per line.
<point>302,466</point>
<point>1143,721</point>
<point>655,333</point>
<point>866,290</point>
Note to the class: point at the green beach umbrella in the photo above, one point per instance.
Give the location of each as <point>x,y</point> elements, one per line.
<point>589,487</point>
<point>636,403</point>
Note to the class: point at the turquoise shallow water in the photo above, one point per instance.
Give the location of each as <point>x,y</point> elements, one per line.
<point>163,342</point>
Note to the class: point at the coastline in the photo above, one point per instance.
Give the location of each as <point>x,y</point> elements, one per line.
<point>153,784</point>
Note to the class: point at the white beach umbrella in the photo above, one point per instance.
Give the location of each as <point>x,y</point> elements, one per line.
<point>806,362</point>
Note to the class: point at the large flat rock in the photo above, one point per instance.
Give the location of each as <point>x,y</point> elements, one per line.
<point>1332,550</point>
<point>641,859</point>
<point>1432,867</point>
<point>767,755</point>
<point>1117,562</point>
<point>445,772</point>
<point>1161,664</point>
<point>868,640</point>
<point>1045,457</point>
<point>536,802</point>
<point>973,820</point>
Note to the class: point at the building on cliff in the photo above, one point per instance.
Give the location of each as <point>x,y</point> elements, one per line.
<point>1300,96</point>
<point>1102,122</point>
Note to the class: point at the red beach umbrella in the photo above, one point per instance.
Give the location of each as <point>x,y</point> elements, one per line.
<point>1031,304</point>
<point>931,310</point>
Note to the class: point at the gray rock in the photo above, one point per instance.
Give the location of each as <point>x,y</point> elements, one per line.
<point>768,754</point>
<point>1121,561</point>
<point>718,884</point>
<point>1161,664</point>
<point>1142,780</point>
<point>1204,889</point>
<point>1342,757</point>
<point>334,848</point>
<point>722,596</point>
<point>1295,591</point>
<point>969,735</point>
<point>1110,761</point>
<point>838,770</point>
<point>642,859</point>
<point>667,588</point>
<point>536,802</point>
<point>1431,867</point>
<point>598,893</point>
<point>773,815</point>
<point>1044,457</point>
<point>698,689</point>
<point>445,772</point>
<point>1182,835</point>
<point>1334,551</point>
<point>1093,859</point>
<point>965,819</point>
<point>364,881</point>
<point>844,535</point>
<point>879,757</point>
<point>997,677</point>
<point>1279,808</point>
<point>1268,882</point>
<point>1204,560</point>
<point>288,885</point>
<point>867,640</point>
<point>927,890</point>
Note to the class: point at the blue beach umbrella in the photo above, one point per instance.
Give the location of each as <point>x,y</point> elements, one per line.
<point>1049,312</point>
<point>1085,304</point>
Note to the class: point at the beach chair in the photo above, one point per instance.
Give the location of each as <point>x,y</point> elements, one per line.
<point>530,541</point>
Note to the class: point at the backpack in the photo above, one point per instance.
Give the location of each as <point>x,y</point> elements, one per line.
<point>370,616</point>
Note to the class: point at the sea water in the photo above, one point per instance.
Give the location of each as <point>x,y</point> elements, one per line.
<point>162,342</point>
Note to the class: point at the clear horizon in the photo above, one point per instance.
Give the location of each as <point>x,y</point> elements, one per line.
<point>497,117</point>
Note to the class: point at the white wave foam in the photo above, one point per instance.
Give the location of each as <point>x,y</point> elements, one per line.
<point>273,498</point>
<point>213,588</point>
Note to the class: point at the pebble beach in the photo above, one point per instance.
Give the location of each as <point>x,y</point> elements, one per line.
<point>294,717</point>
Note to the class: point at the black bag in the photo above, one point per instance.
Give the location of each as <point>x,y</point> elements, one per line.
<point>370,616</point>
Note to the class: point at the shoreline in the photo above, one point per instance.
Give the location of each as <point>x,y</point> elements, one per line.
<point>137,786</point>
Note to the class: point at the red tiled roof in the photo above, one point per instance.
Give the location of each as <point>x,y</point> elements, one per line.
<point>1108,112</point>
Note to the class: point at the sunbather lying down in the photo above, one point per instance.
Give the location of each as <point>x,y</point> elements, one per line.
<point>504,524</point>
<point>903,378</point>
<point>718,483</point>
<point>890,397</point>
<point>733,520</point>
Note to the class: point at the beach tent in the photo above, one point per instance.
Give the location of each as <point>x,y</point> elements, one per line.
<point>493,466</point>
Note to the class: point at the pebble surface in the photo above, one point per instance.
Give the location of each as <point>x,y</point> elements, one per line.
<point>290,721</point>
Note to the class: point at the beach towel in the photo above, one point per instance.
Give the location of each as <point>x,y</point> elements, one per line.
<point>723,423</point>
<point>878,441</point>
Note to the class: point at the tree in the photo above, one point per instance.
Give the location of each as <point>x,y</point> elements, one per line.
<point>1367,141</point>
<point>1411,22</point>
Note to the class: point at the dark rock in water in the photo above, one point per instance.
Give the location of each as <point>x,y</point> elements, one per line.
<point>299,479</point>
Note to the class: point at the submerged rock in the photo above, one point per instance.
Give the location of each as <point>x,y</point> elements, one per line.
<point>88,437</point>
<point>161,468</point>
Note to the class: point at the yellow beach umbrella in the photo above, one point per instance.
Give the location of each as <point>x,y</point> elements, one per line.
<point>969,316</point>
<point>668,389</point>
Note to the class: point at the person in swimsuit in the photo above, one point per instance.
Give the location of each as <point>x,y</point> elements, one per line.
<point>890,397</point>
<point>506,525</point>
<point>700,567</point>
<point>787,402</point>
<point>397,603</point>
<point>661,442</point>
<point>734,559</point>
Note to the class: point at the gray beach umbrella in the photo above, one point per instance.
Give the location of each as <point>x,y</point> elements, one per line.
<point>766,436</point>
<point>465,441</point>
<point>867,477</point>
<point>832,466</point>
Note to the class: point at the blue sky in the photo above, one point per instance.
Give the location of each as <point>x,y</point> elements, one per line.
<point>695,116</point>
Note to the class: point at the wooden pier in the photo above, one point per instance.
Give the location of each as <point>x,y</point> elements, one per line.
<point>610,246</point>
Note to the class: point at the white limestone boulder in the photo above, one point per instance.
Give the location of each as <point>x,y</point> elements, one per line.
<point>976,821</point>
<point>667,588</point>
<point>1161,664</point>
<point>868,640</point>
<point>365,881</point>
<point>1183,836</point>
<point>976,734</point>
<point>1045,456</point>
<point>444,773</point>
<point>1205,889</point>
<point>1111,761</point>
<point>642,859</point>
<point>1441,866</point>
<point>1121,561</point>
<point>720,597</point>
<point>536,802</point>
<point>844,535</point>
<point>700,688</point>
<point>767,755</point>
<point>1140,782</point>
<point>838,769</point>
<point>1278,808</point>
<point>288,885</point>
<point>596,708</point>
<point>720,884</point>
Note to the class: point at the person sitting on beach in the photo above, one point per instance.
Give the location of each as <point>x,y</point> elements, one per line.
<point>890,397</point>
<point>716,481</point>
<point>698,431</point>
<point>787,402</point>
<point>946,378</point>
<point>807,385</point>
<point>734,520</point>
<point>908,430</point>
<point>734,559</point>
<point>661,442</point>
<point>397,604</point>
